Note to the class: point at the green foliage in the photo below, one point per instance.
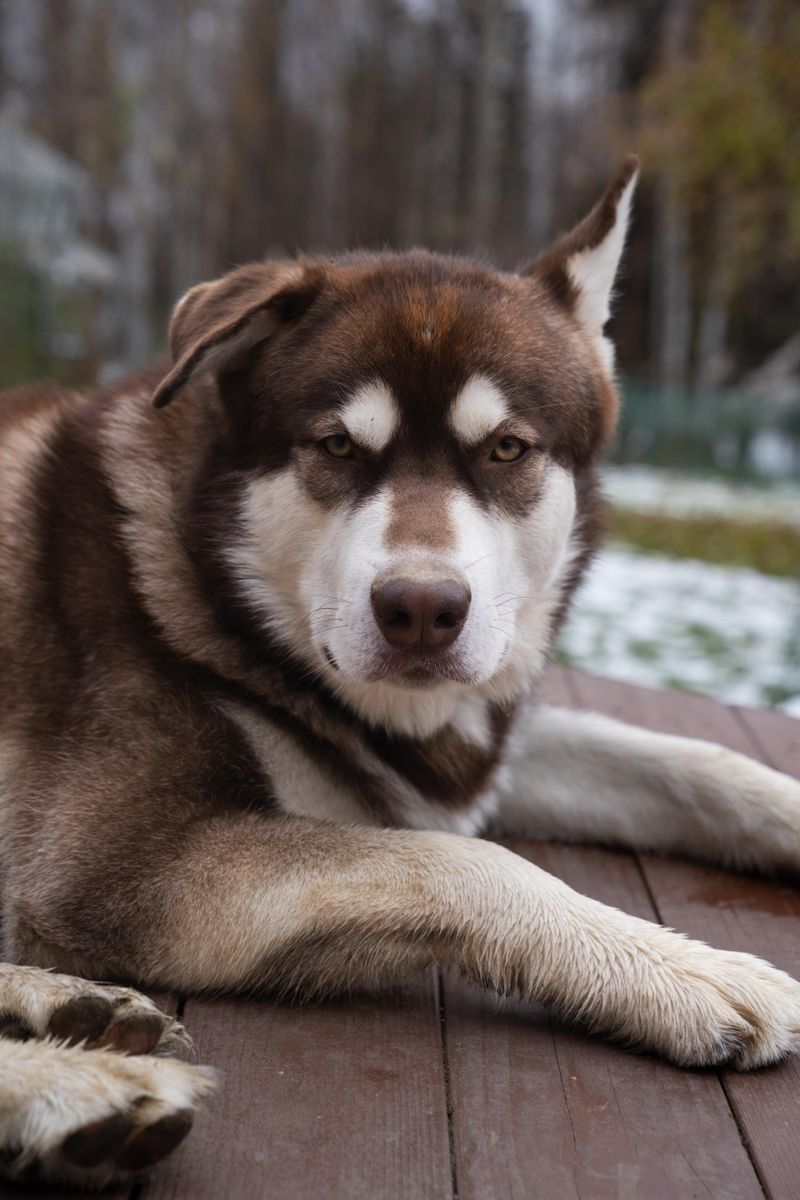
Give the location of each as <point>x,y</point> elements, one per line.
<point>22,355</point>
<point>645,650</point>
<point>697,430</point>
<point>725,114</point>
<point>763,545</point>
<point>735,96</point>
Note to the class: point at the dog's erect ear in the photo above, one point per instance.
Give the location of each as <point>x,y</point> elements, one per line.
<point>580,268</point>
<point>217,323</point>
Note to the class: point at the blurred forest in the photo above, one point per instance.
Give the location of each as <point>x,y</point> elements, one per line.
<point>148,144</point>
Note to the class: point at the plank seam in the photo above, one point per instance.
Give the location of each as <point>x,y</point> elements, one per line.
<point>448,1088</point>
<point>743,1138</point>
<point>646,885</point>
<point>568,1111</point>
<point>760,750</point>
<point>573,691</point>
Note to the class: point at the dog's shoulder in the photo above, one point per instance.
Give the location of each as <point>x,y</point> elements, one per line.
<point>20,404</point>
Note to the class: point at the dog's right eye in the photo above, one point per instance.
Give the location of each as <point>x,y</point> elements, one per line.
<point>338,445</point>
<point>508,450</point>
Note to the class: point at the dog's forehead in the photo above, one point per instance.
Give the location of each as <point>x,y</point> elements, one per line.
<point>423,332</point>
<point>447,349</point>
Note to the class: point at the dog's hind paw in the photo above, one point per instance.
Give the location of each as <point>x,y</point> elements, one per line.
<point>43,1003</point>
<point>88,1117</point>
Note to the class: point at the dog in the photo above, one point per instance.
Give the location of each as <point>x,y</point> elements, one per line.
<point>273,620</point>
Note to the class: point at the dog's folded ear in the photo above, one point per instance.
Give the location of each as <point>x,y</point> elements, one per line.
<point>215,324</point>
<point>580,268</point>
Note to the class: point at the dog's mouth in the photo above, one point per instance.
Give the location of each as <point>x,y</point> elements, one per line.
<point>419,669</point>
<point>411,670</point>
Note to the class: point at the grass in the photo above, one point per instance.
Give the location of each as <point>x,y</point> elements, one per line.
<point>767,546</point>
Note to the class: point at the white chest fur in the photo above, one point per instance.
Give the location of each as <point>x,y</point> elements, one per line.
<point>305,788</point>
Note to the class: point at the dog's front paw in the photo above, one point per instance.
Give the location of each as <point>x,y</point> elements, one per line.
<point>44,1003</point>
<point>88,1117</point>
<point>715,1007</point>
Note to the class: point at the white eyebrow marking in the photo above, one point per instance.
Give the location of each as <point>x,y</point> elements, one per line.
<point>478,410</point>
<point>371,415</point>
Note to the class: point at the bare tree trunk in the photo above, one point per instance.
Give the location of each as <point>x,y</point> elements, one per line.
<point>542,141</point>
<point>324,33</point>
<point>3,20</point>
<point>443,183</point>
<point>483,196</point>
<point>672,311</point>
<point>711,361</point>
<point>672,308</point>
<point>422,225</point>
<point>136,211</point>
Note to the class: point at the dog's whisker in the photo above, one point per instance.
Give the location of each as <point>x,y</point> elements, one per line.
<point>505,632</point>
<point>511,598</point>
<point>482,558</point>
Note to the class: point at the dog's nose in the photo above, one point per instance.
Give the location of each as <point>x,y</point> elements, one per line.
<point>420,615</point>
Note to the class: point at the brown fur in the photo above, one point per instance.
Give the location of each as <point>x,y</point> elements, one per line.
<point>123,634</point>
<point>161,739</point>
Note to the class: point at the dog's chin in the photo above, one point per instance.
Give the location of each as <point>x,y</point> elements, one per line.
<point>405,670</point>
<point>418,673</point>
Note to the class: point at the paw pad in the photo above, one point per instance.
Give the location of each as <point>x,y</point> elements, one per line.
<point>84,1018</point>
<point>138,1033</point>
<point>156,1141</point>
<point>95,1143</point>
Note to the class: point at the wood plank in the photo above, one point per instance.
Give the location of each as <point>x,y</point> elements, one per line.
<point>777,736</point>
<point>556,687</point>
<point>662,710</point>
<point>540,1111</point>
<point>337,1100</point>
<point>728,910</point>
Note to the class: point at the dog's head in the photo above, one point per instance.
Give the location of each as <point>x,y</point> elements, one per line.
<point>407,435</point>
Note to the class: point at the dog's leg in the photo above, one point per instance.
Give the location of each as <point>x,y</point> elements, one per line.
<point>87,1117</point>
<point>305,907</point>
<point>580,776</point>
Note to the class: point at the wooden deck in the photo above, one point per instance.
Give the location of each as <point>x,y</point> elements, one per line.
<point>433,1093</point>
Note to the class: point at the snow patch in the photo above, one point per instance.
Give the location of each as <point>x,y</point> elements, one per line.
<point>653,489</point>
<point>727,632</point>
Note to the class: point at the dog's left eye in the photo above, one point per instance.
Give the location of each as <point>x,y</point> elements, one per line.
<point>338,445</point>
<point>508,450</point>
